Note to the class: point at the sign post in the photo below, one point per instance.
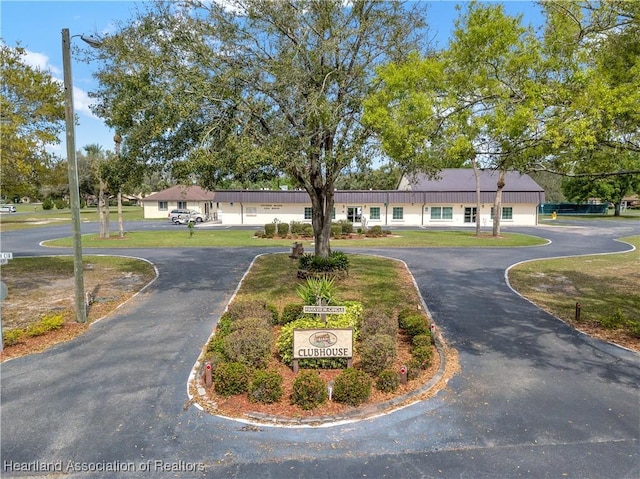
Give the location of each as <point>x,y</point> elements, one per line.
<point>4,291</point>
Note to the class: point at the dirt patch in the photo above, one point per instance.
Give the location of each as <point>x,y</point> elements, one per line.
<point>37,292</point>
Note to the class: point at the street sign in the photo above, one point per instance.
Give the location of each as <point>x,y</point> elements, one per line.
<point>6,255</point>
<point>325,309</point>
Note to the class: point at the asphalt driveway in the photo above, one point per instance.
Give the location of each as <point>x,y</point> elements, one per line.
<point>533,399</point>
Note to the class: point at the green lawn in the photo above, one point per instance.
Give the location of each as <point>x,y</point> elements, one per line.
<point>180,237</point>
<point>606,286</point>
<point>33,216</point>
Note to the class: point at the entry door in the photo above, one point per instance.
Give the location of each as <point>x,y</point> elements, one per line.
<point>354,214</point>
<point>470,215</point>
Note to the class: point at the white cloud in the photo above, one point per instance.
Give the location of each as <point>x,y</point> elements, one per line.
<point>39,60</point>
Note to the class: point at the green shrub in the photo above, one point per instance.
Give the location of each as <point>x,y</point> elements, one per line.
<point>336,231</point>
<point>283,229</point>
<point>12,336</point>
<point>346,227</point>
<point>422,356</point>
<point>297,227</point>
<point>309,391</point>
<point>615,321</point>
<point>284,343</point>
<point>47,204</point>
<point>336,261</point>
<point>230,379</point>
<point>377,353</point>
<point>249,346</point>
<point>421,340</point>
<point>270,230</point>
<point>375,231</point>
<point>265,387</point>
<point>291,312</point>
<point>339,261</point>
<point>50,322</point>
<point>378,322</point>
<point>414,367</point>
<point>307,230</point>
<point>415,324</point>
<point>388,381</point>
<point>315,289</point>
<point>60,204</point>
<point>224,324</point>
<point>403,315</point>
<point>352,387</point>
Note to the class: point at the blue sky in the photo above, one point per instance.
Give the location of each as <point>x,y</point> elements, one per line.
<point>37,26</point>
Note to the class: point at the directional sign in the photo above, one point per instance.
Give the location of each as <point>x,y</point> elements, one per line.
<point>325,309</point>
<point>6,255</point>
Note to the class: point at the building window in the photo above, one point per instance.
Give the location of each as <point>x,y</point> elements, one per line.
<point>163,205</point>
<point>506,213</point>
<point>441,212</point>
<point>308,213</point>
<point>252,211</point>
<point>398,213</point>
<point>470,215</point>
<point>333,214</point>
<point>374,213</point>
<point>182,205</point>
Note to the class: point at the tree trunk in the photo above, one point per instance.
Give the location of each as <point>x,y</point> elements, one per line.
<point>101,210</point>
<point>474,163</point>
<point>322,207</point>
<point>120,220</point>
<point>497,205</point>
<point>617,208</point>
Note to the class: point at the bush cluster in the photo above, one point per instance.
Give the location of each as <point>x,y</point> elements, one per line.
<point>283,230</point>
<point>265,387</point>
<point>309,391</point>
<point>378,322</point>
<point>413,322</point>
<point>388,381</point>
<point>377,353</point>
<point>352,387</point>
<point>291,312</point>
<point>269,230</point>
<point>51,322</point>
<point>230,378</point>
<point>336,261</point>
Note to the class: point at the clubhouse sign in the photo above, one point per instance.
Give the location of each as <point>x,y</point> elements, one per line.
<point>322,343</point>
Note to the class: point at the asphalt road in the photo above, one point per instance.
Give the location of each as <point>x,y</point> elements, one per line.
<point>533,399</point>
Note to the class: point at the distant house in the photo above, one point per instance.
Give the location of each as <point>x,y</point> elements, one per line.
<point>160,204</point>
<point>447,201</point>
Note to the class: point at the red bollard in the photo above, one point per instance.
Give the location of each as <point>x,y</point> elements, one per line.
<point>207,375</point>
<point>578,308</point>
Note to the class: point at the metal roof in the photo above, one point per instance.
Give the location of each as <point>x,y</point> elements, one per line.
<point>463,179</point>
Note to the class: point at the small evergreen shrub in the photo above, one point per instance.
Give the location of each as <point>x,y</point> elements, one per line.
<point>422,356</point>
<point>51,322</point>
<point>269,230</point>
<point>415,324</point>
<point>297,228</point>
<point>615,321</point>
<point>249,346</point>
<point>421,340</point>
<point>352,387</point>
<point>346,227</point>
<point>307,230</point>
<point>249,309</point>
<point>388,381</point>
<point>414,368</point>
<point>283,229</point>
<point>309,391</point>
<point>375,231</point>
<point>60,204</point>
<point>230,378</point>
<point>339,261</point>
<point>378,322</point>
<point>336,261</point>
<point>291,312</point>
<point>47,204</point>
<point>265,387</point>
<point>336,231</point>
<point>377,353</point>
<point>12,336</point>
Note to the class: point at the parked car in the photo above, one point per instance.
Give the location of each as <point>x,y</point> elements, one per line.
<point>7,209</point>
<point>183,216</point>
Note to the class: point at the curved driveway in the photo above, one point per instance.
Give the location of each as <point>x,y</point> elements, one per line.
<point>533,397</point>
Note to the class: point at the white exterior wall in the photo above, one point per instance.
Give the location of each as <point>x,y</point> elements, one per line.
<point>413,214</point>
<point>151,209</point>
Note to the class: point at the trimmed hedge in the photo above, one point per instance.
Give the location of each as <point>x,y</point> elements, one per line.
<point>265,387</point>
<point>309,391</point>
<point>352,387</point>
<point>388,381</point>
<point>377,353</point>
<point>230,379</point>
